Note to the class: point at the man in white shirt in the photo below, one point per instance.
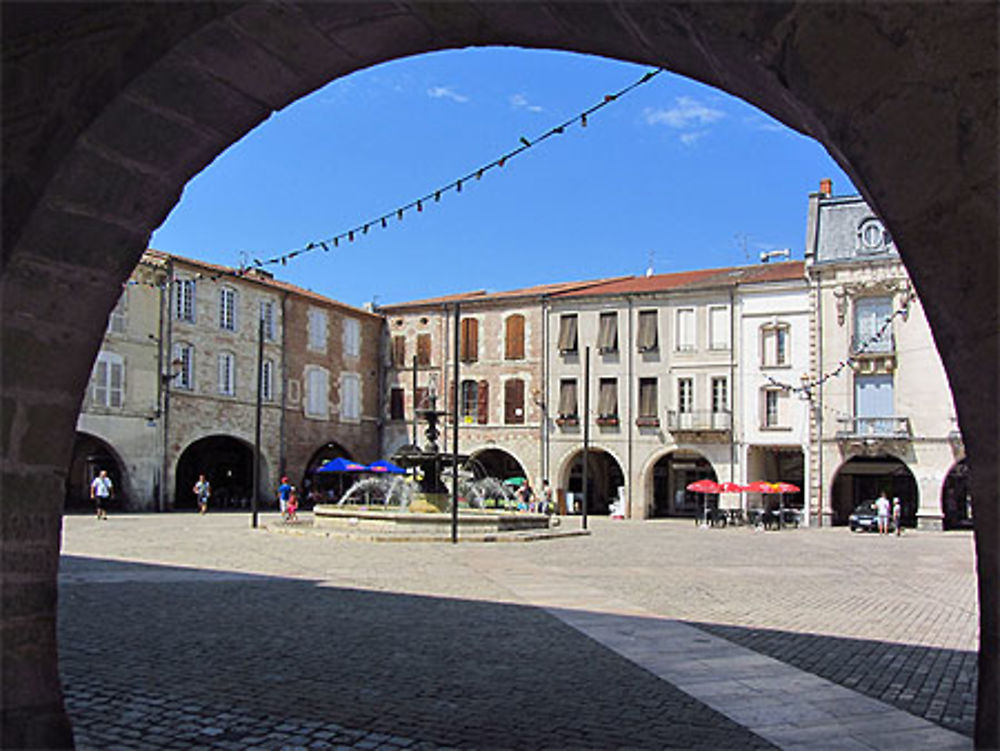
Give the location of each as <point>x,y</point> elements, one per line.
<point>882,508</point>
<point>101,491</point>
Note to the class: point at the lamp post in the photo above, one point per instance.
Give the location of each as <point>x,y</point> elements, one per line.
<point>177,369</point>
<point>256,440</point>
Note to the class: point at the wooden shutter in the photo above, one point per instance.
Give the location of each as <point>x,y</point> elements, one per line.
<point>514,344</point>
<point>423,349</point>
<point>469,340</point>
<point>483,403</point>
<point>647,337</point>
<point>399,351</point>
<point>513,401</point>
<point>607,337</point>
<point>396,405</point>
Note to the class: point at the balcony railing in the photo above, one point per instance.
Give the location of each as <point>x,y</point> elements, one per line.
<point>874,427</point>
<point>865,345</point>
<point>699,420</point>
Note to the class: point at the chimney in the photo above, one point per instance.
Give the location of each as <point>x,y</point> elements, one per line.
<point>826,187</point>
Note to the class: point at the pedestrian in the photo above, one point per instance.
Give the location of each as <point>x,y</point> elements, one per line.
<point>284,492</point>
<point>292,506</point>
<point>101,491</point>
<point>882,508</point>
<point>203,490</point>
<point>529,496</point>
<point>897,513</point>
<point>546,498</point>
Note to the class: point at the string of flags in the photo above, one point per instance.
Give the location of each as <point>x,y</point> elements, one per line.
<point>418,205</point>
<point>806,387</point>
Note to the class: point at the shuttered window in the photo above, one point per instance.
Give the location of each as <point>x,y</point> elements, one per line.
<point>469,408</point>
<point>648,334</point>
<point>607,398</point>
<point>514,337</point>
<point>685,329</point>
<point>469,340</point>
<point>350,396</point>
<point>317,387</point>
<point>396,404</point>
<point>316,326</point>
<point>718,327</point>
<point>567,398</point>
<point>352,337</point>
<point>648,397</point>
<point>109,380</point>
<point>607,335</point>
<point>184,370</point>
<point>567,333</point>
<point>483,406</point>
<point>116,320</point>
<point>423,349</point>
<point>399,351</point>
<point>513,401</point>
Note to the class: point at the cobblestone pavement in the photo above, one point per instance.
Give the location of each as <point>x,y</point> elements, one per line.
<point>180,631</point>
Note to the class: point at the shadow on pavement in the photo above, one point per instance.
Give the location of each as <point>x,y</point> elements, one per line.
<point>157,656</point>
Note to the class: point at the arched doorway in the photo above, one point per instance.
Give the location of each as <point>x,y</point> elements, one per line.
<point>604,481</point>
<point>672,473</point>
<point>227,462</point>
<point>323,487</point>
<point>779,464</point>
<point>495,463</point>
<point>90,456</point>
<point>956,497</point>
<point>863,478</point>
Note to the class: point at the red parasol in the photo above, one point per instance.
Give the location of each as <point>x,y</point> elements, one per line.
<point>785,487</point>
<point>759,486</point>
<point>705,486</point>
<point>731,487</point>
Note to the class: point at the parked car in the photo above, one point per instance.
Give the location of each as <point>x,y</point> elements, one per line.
<point>864,518</point>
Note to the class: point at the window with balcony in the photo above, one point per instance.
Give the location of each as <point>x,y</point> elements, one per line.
<point>568,333</point>
<point>647,337</point>
<point>607,334</point>
<point>685,395</point>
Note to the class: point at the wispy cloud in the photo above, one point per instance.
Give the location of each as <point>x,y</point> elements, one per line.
<point>687,112</point>
<point>691,137</point>
<point>520,102</point>
<point>446,92</point>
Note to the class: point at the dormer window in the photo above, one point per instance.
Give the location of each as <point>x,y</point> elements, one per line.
<point>873,236</point>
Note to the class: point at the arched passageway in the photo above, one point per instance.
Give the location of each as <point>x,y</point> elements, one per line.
<point>672,473</point>
<point>779,464</point>
<point>864,478</point>
<point>495,463</point>
<point>90,456</point>
<point>956,497</point>
<point>227,462</point>
<point>605,480</point>
<point>323,487</point>
<point>148,94</point>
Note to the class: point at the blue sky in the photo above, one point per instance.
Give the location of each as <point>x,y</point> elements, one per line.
<point>675,169</point>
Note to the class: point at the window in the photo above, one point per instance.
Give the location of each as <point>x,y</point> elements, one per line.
<point>567,333</point>
<point>685,394</point>
<point>227,309</point>
<point>513,401</point>
<point>397,407</point>
<point>567,398</point>
<point>685,329</point>
<point>718,327</point>
<point>184,356</point>
<point>399,351</point>
<point>317,330</point>
<point>872,236</point>
<point>227,374</point>
<point>116,319</point>
<point>469,340</point>
<point>267,316</point>
<point>648,335</point>
<point>648,398</point>
<point>720,395</point>
<point>774,408</point>
<point>317,388</point>
<point>469,408</point>
<point>607,399</point>
<point>423,350</point>
<point>350,396</point>
<point>184,308</point>
<point>873,396</point>
<point>109,380</point>
<point>774,345</point>
<point>871,314</point>
<point>267,381</point>
<point>514,337</point>
<point>352,337</point>
<point>607,333</point>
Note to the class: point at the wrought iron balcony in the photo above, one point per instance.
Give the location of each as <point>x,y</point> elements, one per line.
<point>866,345</point>
<point>699,420</point>
<point>896,428</point>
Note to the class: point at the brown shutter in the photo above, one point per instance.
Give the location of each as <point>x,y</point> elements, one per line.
<point>469,340</point>
<point>423,349</point>
<point>647,335</point>
<point>514,401</point>
<point>514,345</point>
<point>399,351</point>
<point>484,402</point>
<point>396,405</point>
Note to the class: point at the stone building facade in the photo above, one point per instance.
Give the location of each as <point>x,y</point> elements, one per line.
<point>886,419</point>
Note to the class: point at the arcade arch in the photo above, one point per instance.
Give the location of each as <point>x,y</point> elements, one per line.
<point>494,462</point>
<point>863,478</point>
<point>90,455</point>
<point>227,463</point>
<point>75,168</point>
<point>956,497</point>
<point>670,475</point>
<point>329,485</point>
<point>605,479</point>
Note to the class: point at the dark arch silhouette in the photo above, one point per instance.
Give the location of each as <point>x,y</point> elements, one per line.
<point>604,478</point>
<point>862,478</point>
<point>226,462</point>
<point>90,455</point>
<point>496,463</point>
<point>902,95</point>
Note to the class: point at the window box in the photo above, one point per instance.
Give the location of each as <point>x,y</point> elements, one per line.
<point>647,422</point>
<point>606,421</point>
<point>567,421</point>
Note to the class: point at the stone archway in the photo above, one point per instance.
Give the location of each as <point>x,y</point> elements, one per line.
<point>110,109</point>
<point>605,478</point>
<point>669,478</point>
<point>226,462</point>
<point>496,463</point>
<point>956,497</point>
<point>863,478</point>
<point>90,456</point>
<point>327,486</point>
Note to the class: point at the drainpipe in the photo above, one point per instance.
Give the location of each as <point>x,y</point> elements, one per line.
<point>282,428</point>
<point>543,458</point>
<point>166,342</point>
<point>629,413</point>
<point>159,382</point>
<point>819,400</point>
<point>732,383</point>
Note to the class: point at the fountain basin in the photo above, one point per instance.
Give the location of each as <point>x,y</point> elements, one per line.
<point>385,523</point>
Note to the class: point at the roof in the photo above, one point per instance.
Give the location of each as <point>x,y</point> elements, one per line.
<point>249,275</point>
<point>482,296</point>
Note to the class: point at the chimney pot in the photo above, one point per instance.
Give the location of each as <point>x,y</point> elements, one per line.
<point>826,187</point>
